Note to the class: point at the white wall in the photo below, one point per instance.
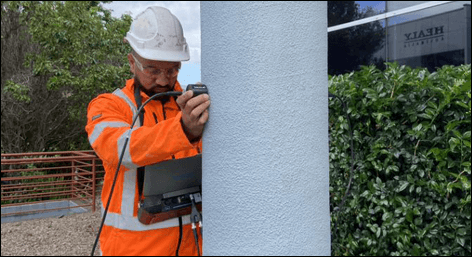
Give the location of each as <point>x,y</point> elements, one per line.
<point>265,147</point>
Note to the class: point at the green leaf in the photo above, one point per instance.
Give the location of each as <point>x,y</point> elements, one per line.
<point>409,216</point>
<point>403,185</point>
<point>416,211</point>
<point>416,250</point>
<point>443,216</point>
<point>399,245</point>
<point>457,133</point>
<point>453,142</point>
<point>386,216</point>
<point>461,231</point>
<point>425,116</point>
<point>466,134</point>
<point>418,127</point>
<point>432,105</point>
<point>418,190</point>
<point>466,143</point>
<point>354,243</point>
<point>421,173</point>
<point>461,241</point>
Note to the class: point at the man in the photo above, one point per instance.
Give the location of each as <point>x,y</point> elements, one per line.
<point>172,128</point>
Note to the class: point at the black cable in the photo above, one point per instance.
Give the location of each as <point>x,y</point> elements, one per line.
<point>180,237</point>
<point>194,228</point>
<point>170,93</point>
<point>195,217</point>
<point>352,162</point>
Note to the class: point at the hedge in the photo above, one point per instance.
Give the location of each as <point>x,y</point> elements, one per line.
<point>410,188</point>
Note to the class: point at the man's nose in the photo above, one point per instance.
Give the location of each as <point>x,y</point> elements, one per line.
<point>162,80</point>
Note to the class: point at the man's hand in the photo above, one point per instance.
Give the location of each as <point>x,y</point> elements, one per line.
<point>194,113</point>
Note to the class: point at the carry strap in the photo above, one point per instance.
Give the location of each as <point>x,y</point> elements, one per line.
<point>137,98</point>
<point>140,170</point>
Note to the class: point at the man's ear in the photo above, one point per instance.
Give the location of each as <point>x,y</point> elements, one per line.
<point>131,63</point>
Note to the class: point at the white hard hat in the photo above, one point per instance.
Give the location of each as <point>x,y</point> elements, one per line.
<point>156,34</point>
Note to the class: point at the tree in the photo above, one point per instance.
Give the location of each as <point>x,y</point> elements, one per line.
<point>350,48</point>
<point>56,57</point>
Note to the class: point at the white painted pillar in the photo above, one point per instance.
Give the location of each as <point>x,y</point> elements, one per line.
<point>265,147</point>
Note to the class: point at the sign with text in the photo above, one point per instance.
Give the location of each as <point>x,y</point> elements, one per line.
<point>427,36</point>
<point>431,35</point>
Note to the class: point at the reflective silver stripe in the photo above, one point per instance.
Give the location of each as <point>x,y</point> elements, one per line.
<point>129,189</point>
<point>98,129</point>
<point>118,92</point>
<point>127,162</point>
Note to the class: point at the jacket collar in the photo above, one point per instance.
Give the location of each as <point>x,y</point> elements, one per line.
<point>130,88</point>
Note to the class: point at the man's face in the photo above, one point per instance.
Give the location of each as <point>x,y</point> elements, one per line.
<point>154,76</point>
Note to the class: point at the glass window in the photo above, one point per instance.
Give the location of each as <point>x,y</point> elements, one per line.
<point>430,37</point>
<point>352,47</point>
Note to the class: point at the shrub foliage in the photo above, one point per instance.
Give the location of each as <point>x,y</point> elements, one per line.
<point>410,188</point>
<point>56,57</point>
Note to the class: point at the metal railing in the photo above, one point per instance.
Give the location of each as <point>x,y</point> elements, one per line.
<point>31,178</point>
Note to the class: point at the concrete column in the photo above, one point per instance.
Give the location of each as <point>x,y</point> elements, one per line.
<point>265,147</point>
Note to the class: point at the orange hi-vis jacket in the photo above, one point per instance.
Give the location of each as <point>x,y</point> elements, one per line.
<point>161,137</point>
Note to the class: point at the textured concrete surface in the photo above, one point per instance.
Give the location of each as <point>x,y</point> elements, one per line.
<point>265,147</point>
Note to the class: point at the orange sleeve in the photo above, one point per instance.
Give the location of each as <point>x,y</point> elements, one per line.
<point>149,145</point>
<point>108,125</point>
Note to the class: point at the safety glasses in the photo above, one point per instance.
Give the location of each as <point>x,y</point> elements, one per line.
<point>155,72</point>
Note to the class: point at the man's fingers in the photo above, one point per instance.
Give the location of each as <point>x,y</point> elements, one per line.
<point>183,99</point>
<point>196,101</point>
<point>197,111</point>
<point>204,118</point>
<point>194,113</point>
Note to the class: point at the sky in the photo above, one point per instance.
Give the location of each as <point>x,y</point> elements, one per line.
<point>376,5</point>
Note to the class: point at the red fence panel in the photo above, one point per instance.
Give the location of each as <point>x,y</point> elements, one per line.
<point>30,178</point>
